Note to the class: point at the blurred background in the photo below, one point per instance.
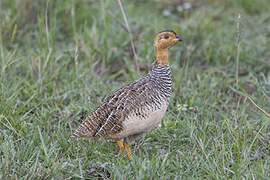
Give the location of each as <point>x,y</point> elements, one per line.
<point>59,59</point>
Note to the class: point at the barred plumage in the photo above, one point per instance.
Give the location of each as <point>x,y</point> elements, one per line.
<point>137,98</point>
<point>136,108</point>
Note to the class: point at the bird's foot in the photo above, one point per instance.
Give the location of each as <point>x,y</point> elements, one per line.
<point>119,147</point>
<point>127,148</point>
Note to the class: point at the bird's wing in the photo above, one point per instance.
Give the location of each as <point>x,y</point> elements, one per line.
<point>106,119</point>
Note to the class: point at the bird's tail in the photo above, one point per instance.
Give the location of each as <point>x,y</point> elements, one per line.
<point>73,136</point>
<point>84,131</point>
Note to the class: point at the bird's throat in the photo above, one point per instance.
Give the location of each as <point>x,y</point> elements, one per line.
<point>162,56</point>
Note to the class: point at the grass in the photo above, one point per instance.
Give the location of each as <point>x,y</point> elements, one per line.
<point>59,59</point>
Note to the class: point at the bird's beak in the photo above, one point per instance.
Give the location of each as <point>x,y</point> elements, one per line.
<point>179,38</point>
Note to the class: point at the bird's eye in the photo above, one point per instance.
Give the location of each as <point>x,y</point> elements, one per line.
<point>166,36</point>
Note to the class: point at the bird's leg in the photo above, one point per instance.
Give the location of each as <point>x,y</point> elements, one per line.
<point>127,148</point>
<point>120,146</point>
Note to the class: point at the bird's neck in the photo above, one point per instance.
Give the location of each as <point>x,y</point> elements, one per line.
<point>162,56</point>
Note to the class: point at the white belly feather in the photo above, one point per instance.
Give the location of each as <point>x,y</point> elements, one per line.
<point>136,125</point>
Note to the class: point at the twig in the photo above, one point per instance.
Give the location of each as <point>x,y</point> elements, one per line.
<point>13,33</point>
<point>46,23</point>
<point>262,110</point>
<point>118,21</point>
<point>251,100</point>
<point>129,32</point>
<point>238,41</point>
<point>76,57</point>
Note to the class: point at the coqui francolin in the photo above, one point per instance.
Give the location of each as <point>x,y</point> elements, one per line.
<point>134,109</point>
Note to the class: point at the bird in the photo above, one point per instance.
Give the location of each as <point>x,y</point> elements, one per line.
<point>137,107</point>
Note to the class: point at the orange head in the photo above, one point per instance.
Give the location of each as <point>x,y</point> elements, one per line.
<point>163,41</point>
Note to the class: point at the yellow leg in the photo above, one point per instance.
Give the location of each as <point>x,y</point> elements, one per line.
<point>120,145</point>
<point>127,150</point>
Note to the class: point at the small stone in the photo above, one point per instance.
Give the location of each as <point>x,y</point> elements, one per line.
<point>166,13</point>
<point>186,5</point>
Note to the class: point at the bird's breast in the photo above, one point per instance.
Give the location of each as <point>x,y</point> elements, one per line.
<point>143,120</point>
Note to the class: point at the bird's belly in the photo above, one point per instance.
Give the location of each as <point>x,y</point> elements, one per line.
<point>136,124</point>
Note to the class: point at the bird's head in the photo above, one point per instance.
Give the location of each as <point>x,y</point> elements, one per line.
<point>163,42</point>
<point>166,39</point>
